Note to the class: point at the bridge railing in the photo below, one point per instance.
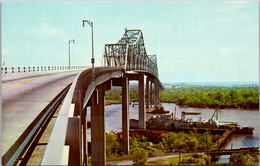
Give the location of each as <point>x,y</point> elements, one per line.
<point>25,69</point>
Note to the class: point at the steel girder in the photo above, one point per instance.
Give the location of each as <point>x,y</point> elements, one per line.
<point>130,53</point>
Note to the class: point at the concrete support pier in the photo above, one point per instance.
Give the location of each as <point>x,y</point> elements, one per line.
<point>142,113</point>
<point>151,92</point>
<point>98,135</point>
<point>156,92</point>
<point>147,93</point>
<point>84,137</point>
<point>125,114</point>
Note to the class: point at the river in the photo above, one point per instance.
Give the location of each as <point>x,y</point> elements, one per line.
<point>243,117</point>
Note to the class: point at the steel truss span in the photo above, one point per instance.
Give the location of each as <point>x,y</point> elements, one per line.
<point>130,53</point>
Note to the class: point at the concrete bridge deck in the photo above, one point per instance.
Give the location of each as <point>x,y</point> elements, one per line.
<point>24,97</point>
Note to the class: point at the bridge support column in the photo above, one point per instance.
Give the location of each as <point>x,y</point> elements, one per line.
<point>142,113</point>
<point>151,92</point>
<point>125,114</point>
<point>156,92</point>
<point>147,92</point>
<point>98,135</point>
<point>84,137</point>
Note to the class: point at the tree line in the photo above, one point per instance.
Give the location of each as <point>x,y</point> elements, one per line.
<point>201,97</point>
<point>213,97</point>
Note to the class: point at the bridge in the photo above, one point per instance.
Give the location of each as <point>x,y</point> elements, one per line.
<point>124,61</point>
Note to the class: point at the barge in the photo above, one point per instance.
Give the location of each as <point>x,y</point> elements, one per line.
<point>169,122</point>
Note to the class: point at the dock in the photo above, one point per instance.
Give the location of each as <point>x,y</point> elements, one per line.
<point>222,140</point>
<point>230,151</point>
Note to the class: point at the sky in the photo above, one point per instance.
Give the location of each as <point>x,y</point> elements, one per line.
<point>194,41</point>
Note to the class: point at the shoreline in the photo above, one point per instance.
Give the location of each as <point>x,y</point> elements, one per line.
<point>110,102</point>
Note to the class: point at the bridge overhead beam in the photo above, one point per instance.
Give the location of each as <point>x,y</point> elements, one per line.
<point>125,114</point>
<point>116,81</point>
<point>133,77</point>
<point>142,113</point>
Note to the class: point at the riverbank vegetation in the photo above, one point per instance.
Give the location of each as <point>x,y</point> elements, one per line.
<point>141,147</point>
<point>244,159</point>
<point>201,97</point>
<point>212,97</point>
<point>114,96</point>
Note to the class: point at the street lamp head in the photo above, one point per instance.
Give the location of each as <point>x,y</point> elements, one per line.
<point>87,21</point>
<point>72,41</point>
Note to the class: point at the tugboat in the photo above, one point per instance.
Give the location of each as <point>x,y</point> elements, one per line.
<point>159,110</point>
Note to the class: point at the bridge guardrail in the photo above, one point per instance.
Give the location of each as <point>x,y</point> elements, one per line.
<point>24,69</point>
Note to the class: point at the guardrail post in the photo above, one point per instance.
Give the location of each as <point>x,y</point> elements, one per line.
<point>142,113</point>
<point>125,114</point>
<point>98,136</point>
<point>77,101</point>
<point>74,137</point>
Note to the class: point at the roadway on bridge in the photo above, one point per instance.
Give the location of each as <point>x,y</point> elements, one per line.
<point>24,99</point>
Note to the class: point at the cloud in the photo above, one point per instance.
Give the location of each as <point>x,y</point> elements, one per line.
<point>48,32</point>
<point>231,50</point>
<point>252,30</point>
<point>5,51</point>
<point>231,6</point>
<point>43,19</point>
<point>226,50</point>
<point>238,4</point>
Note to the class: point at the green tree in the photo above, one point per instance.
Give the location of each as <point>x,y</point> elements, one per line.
<point>140,156</point>
<point>242,159</point>
<point>113,145</point>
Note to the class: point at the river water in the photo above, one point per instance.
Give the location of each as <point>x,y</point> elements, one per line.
<point>243,117</point>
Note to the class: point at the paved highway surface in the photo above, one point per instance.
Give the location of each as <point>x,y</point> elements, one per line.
<point>24,99</point>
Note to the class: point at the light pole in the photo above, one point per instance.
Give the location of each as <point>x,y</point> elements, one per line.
<point>69,50</point>
<point>92,59</point>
